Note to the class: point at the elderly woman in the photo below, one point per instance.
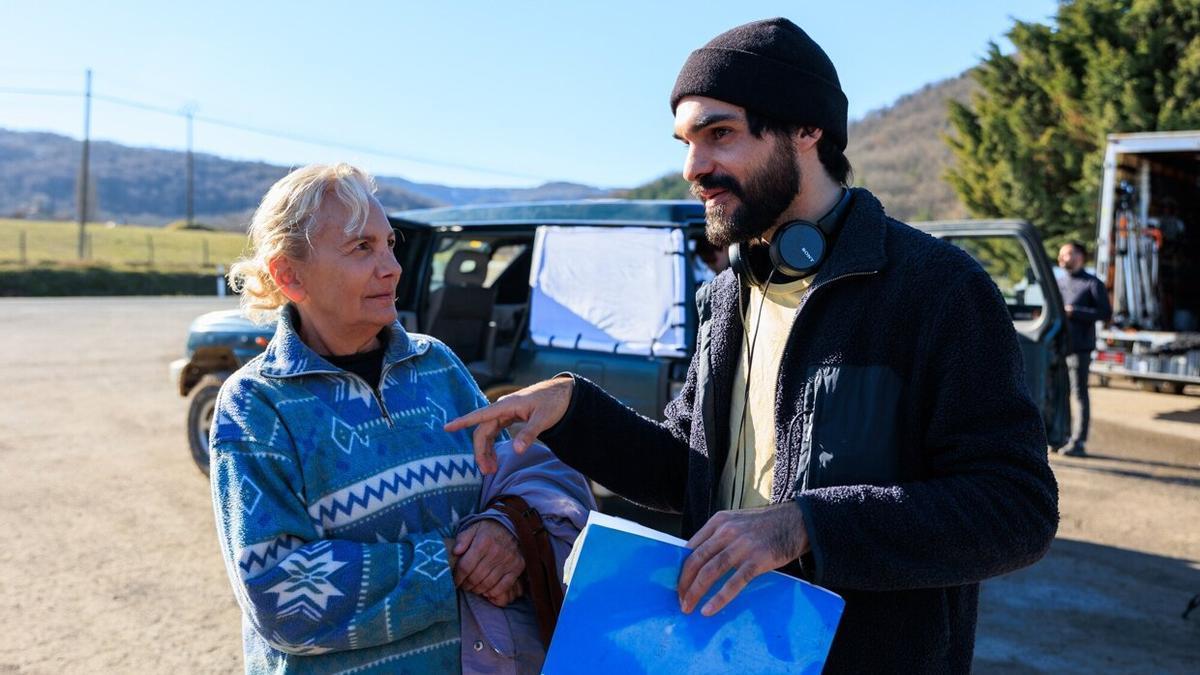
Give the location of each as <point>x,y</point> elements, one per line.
<point>349,520</point>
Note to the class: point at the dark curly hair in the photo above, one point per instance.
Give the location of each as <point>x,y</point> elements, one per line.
<point>830,155</point>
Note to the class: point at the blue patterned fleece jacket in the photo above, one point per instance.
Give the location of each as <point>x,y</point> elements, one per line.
<point>332,501</point>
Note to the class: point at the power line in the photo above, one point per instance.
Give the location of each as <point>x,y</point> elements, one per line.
<point>362,149</point>
<point>282,135</point>
<point>128,103</point>
<point>35,91</point>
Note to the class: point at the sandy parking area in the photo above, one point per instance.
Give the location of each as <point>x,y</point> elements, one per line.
<point>111,562</point>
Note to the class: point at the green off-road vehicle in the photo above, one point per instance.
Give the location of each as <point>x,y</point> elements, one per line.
<point>605,289</point>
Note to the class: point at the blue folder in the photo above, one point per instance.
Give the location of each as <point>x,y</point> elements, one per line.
<point>621,615</point>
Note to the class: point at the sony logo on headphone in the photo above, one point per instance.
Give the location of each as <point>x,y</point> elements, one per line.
<point>808,255</point>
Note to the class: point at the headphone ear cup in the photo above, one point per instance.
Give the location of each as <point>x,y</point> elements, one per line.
<point>739,263</point>
<point>798,249</point>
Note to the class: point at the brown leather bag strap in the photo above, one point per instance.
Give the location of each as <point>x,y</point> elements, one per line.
<point>541,569</point>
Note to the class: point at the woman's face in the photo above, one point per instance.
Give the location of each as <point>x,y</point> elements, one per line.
<point>349,280</point>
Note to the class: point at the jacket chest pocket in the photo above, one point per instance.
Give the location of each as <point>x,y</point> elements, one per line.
<point>849,427</point>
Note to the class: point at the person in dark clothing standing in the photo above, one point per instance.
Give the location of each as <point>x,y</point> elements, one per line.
<point>855,413</point>
<point>1086,301</point>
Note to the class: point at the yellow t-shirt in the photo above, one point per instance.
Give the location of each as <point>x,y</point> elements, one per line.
<point>747,478</point>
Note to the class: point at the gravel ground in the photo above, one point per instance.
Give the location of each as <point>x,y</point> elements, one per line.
<point>112,562</point>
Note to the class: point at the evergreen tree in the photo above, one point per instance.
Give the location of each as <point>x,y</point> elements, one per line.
<point>1031,142</point>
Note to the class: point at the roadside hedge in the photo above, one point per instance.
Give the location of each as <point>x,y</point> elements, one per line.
<point>46,282</point>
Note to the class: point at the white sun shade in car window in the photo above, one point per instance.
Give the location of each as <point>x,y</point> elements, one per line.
<point>609,289</point>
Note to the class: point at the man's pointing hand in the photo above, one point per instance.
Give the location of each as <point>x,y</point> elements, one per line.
<point>539,406</point>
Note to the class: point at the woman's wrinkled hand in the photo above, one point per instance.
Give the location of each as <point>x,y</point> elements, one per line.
<point>488,562</point>
<point>507,596</point>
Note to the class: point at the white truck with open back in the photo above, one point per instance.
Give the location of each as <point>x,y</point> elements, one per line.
<point>1148,256</point>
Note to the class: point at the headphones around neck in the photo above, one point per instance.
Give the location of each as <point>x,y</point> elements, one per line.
<point>797,249</point>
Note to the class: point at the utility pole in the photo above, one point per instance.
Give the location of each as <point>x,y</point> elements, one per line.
<point>82,200</point>
<point>189,111</point>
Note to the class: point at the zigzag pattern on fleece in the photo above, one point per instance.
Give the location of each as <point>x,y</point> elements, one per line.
<point>260,557</point>
<point>396,657</point>
<point>392,486</point>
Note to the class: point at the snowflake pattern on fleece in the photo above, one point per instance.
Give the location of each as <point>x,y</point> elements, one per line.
<point>332,501</point>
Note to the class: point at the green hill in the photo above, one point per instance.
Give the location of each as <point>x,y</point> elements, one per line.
<point>38,174</point>
<point>898,152</point>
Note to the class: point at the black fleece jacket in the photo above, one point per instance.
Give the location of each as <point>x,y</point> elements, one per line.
<point>905,432</point>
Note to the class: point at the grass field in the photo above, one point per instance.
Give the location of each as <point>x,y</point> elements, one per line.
<point>121,247</point>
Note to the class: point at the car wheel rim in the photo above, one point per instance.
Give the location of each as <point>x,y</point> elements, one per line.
<point>204,423</point>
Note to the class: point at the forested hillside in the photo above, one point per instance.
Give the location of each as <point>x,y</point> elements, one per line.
<point>39,174</point>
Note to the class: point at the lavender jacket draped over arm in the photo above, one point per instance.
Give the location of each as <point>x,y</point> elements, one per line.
<point>505,640</point>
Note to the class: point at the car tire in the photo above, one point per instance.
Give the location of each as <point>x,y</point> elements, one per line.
<point>1172,388</point>
<point>201,407</point>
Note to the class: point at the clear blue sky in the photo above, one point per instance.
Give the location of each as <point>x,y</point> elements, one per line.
<point>527,91</point>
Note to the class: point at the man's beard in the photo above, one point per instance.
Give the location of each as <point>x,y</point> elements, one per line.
<point>767,193</point>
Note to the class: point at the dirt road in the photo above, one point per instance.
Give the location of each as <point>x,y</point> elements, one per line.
<point>1108,597</point>
<point>111,562</point>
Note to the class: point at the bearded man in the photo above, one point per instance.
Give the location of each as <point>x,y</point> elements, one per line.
<point>855,413</point>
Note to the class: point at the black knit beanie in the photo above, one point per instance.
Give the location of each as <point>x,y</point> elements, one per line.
<point>770,67</point>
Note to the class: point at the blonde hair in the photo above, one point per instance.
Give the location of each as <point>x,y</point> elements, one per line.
<point>284,222</point>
